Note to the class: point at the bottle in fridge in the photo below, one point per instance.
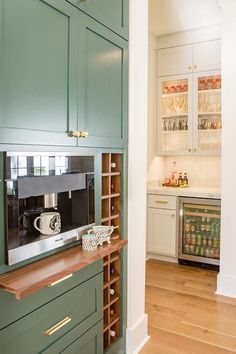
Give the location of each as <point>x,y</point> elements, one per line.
<point>199,230</point>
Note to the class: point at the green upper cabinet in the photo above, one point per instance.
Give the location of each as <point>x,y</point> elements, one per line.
<point>102,100</point>
<point>61,72</point>
<point>111,13</point>
<point>38,65</point>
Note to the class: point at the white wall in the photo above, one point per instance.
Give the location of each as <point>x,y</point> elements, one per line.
<point>138,55</point>
<point>227,276</point>
<point>154,164</point>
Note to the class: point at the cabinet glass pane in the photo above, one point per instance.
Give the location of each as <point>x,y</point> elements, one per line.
<point>201,236</point>
<point>209,113</point>
<point>174,115</point>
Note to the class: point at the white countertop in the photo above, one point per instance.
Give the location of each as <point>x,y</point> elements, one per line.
<point>154,188</point>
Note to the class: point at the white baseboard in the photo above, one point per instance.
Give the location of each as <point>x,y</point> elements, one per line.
<point>226,285</point>
<point>159,257</point>
<point>137,335</point>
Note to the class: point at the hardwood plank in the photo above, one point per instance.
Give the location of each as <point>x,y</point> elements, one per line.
<point>162,342</point>
<point>185,314</point>
<point>37,275</point>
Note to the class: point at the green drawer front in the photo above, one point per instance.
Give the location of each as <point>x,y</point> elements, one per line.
<point>83,305</point>
<point>89,343</point>
<point>12,309</point>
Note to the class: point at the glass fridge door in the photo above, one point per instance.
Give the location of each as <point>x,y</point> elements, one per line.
<point>201,231</point>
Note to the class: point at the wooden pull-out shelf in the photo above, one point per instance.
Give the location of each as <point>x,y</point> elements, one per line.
<point>37,275</point>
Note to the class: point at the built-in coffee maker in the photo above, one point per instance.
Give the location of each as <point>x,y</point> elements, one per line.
<point>49,202</point>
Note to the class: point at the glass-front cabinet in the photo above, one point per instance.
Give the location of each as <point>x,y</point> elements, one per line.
<point>189,114</point>
<point>175,116</point>
<point>207,113</point>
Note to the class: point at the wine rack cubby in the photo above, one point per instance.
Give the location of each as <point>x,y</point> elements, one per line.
<point>111,296</point>
<point>111,215</point>
<point>111,192</point>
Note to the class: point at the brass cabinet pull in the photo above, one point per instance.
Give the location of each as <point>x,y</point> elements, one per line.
<point>173,215</point>
<point>161,202</point>
<point>57,326</point>
<point>84,134</point>
<point>195,66</point>
<point>194,150</point>
<point>190,67</point>
<point>76,134</point>
<point>189,150</point>
<point>60,280</point>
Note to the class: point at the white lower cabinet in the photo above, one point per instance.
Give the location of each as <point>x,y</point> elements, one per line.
<point>161,233</point>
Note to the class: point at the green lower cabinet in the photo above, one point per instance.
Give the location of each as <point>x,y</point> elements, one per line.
<point>111,13</point>
<point>12,310</point>
<point>76,311</point>
<point>89,343</point>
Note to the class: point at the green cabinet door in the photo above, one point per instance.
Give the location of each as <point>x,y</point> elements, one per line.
<point>89,343</point>
<point>111,13</point>
<point>74,312</point>
<point>102,89</point>
<point>38,59</point>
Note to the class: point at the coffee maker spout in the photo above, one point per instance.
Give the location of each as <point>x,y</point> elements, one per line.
<point>50,200</point>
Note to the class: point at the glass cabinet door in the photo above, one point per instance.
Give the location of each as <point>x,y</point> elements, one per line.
<point>174,115</point>
<point>207,113</point>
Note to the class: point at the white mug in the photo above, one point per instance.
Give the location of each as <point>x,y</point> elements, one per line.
<point>49,224</point>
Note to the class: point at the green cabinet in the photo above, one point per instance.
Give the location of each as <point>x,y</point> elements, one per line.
<point>38,62</point>
<point>88,343</point>
<point>103,85</point>
<point>72,314</point>
<point>60,72</point>
<point>111,13</point>
<point>13,310</point>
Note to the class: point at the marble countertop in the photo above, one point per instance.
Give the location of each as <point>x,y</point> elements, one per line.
<point>198,192</point>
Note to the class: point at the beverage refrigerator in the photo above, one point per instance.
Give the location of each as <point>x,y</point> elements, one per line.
<point>199,230</point>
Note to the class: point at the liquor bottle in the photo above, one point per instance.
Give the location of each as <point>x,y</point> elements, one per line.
<point>180,180</point>
<point>174,175</point>
<point>185,180</point>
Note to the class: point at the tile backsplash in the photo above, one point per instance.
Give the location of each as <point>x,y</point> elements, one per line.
<point>202,171</point>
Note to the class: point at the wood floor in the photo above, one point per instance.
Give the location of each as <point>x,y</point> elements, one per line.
<point>185,315</point>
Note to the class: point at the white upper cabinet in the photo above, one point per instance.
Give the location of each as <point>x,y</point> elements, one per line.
<point>176,60</point>
<point>207,56</point>
<point>198,57</point>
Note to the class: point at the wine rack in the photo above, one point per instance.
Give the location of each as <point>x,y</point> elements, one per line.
<point>111,192</point>
<point>111,216</point>
<point>111,301</point>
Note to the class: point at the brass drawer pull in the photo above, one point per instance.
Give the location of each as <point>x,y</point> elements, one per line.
<point>60,280</point>
<point>57,326</point>
<point>76,134</point>
<point>84,134</point>
<point>161,202</point>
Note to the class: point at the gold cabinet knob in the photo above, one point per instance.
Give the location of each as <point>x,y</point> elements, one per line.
<point>190,67</point>
<point>76,134</point>
<point>195,66</point>
<point>195,150</point>
<point>173,215</point>
<point>189,150</point>
<point>84,134</point>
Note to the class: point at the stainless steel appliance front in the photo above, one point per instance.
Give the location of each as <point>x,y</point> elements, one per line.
<point>44,190</point>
